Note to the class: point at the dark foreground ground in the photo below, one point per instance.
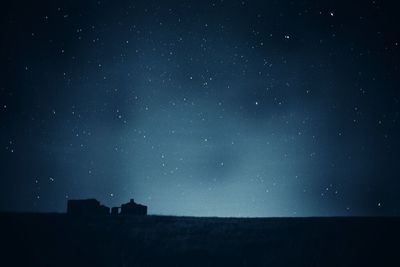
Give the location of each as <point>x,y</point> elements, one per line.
<point>61,240</point>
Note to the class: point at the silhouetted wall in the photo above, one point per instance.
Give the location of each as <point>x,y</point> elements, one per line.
<point>86,207</point>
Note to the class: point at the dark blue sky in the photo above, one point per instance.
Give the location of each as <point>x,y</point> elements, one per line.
<point>223,108</point>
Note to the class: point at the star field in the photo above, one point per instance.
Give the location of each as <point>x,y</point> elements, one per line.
<point>204,108</point>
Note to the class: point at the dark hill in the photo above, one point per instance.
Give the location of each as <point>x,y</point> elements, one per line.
<point>62,240</point>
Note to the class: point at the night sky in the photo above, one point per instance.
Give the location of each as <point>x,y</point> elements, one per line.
<point>204,108</point>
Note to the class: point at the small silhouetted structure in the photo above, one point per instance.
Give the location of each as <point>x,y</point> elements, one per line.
<point>132,208</point>
<point>86,207</point>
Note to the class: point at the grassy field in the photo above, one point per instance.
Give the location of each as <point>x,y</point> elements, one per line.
<point>61,240</point>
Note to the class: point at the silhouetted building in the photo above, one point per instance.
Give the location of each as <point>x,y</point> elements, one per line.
<point>132,208</point>
<point>92,207</point>
<point>86,207</point>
